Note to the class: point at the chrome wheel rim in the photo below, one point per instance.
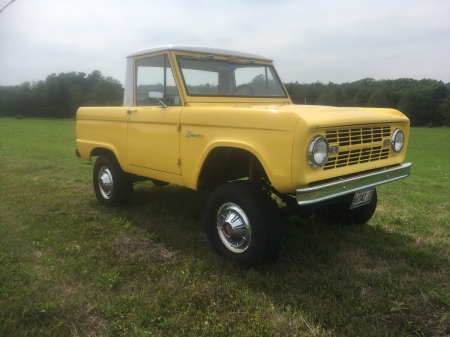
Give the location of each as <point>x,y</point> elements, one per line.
<point>105,182</point>
<point>233,227</point>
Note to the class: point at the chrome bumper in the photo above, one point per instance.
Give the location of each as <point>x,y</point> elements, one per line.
<point>312,195</point>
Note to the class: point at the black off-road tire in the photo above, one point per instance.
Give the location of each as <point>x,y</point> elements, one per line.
<point>112,186</point>
<point>342,214</point>
<point>244,203</point>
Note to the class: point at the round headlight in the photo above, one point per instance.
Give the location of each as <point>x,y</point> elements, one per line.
<point>318,151</point>
<point>398,138</point>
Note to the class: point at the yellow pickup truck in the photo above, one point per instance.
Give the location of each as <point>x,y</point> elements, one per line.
<point>221,120</point>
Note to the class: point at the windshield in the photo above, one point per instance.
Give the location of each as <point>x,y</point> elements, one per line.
<point>209,77</point>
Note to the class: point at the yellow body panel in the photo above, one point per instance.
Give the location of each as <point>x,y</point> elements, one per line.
<point>104,127</point>
<point>317,120</point>
<point>153,139</point>
<point>172,143</point>
<point>264,131</point>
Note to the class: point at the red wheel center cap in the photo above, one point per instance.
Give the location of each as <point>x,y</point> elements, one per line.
<point>227,229</point>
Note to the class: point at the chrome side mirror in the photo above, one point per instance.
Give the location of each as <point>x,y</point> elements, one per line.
<point>158,96</point>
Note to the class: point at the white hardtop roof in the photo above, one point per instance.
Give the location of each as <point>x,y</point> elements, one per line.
<point>199,49</point>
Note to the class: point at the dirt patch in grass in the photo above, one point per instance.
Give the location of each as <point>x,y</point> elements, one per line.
<point>363,262</point>
<point>132,249</point>
<point>91,324</point>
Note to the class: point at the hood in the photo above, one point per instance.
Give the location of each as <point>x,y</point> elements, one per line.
<point>317,116</point>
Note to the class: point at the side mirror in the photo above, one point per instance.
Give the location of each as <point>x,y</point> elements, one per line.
<point>158,96</point>
<point>155,94</point>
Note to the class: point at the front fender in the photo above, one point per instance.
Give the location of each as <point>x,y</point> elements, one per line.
<point>274,156</point>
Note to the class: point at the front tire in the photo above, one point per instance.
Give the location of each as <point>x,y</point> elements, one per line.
<point>341,212</point>
<point>243,223</point>
<point>112,186</point>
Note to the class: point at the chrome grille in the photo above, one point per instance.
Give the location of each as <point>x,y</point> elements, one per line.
<point>357,145</point>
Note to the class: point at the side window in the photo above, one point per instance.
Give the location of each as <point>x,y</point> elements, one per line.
<point>154,80</point>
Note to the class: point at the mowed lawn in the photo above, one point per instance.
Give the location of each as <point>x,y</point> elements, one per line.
<point>69,267</point>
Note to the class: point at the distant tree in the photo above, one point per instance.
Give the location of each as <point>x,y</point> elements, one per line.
<point>76,99</point>
<point>24,103</point>
<point>107,92</point>
<point>384,97</point>
<point>333,95</point>
<point>58,96</point>
<point>325,96</point>
<point>340,97</point>
<point>305,92</point>
<point>444,107</point>
<point>378,98</point>
<point>9,101</point>
<point>424,103</point>
<point>92,80</point>
<point>352,89</point>
<point>362,97</point>
<point>38,99</point>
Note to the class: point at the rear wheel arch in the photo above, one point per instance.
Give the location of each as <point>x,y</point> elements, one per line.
<point>98,151</point>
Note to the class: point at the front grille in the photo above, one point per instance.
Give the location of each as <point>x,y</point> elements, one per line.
<point>357,136</point>
<point>357,145</point>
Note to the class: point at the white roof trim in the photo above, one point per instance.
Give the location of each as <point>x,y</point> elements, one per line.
<point>199,49</point>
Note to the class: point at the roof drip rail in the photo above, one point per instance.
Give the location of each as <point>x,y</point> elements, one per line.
<point>241,62</point>
<point>207,58</point>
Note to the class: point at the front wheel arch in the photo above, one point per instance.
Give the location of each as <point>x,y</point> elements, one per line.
<point>226,163</point>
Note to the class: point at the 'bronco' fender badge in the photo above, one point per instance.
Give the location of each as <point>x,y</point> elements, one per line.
<point>196,135</point>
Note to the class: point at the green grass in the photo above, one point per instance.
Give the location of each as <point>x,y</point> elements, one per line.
<point>69,267</point>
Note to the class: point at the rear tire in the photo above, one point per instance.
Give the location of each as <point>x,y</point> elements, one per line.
<point>341,212</point>
<point>243,223</point>
<point>112,186</point>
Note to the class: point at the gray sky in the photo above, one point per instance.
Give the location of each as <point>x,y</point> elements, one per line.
<point>322,40</point>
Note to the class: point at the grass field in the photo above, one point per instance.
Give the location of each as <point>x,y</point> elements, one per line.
<point>69,267</point>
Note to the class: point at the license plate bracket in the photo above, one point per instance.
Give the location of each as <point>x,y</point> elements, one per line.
<point>362,198</point>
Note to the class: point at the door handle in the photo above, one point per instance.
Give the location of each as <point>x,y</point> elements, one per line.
<point>129,111</point>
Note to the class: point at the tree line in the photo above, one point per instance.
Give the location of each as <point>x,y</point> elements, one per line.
<point>60,96</point>
<point>426,102</point>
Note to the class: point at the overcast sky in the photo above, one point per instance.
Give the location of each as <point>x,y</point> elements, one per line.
<point>321,40</point>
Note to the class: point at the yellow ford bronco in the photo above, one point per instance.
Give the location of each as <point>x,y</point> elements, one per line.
<point>221,120</point>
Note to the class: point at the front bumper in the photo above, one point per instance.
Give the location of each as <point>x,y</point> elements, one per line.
<point>315,194</point>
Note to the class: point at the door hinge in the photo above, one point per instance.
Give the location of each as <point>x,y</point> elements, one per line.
<point>179,161</point>
<point>179,128</point>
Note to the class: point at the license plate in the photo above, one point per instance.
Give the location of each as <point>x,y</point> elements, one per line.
<point>362,198</point>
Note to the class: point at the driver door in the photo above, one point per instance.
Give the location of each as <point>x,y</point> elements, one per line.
<point>153,136</point>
